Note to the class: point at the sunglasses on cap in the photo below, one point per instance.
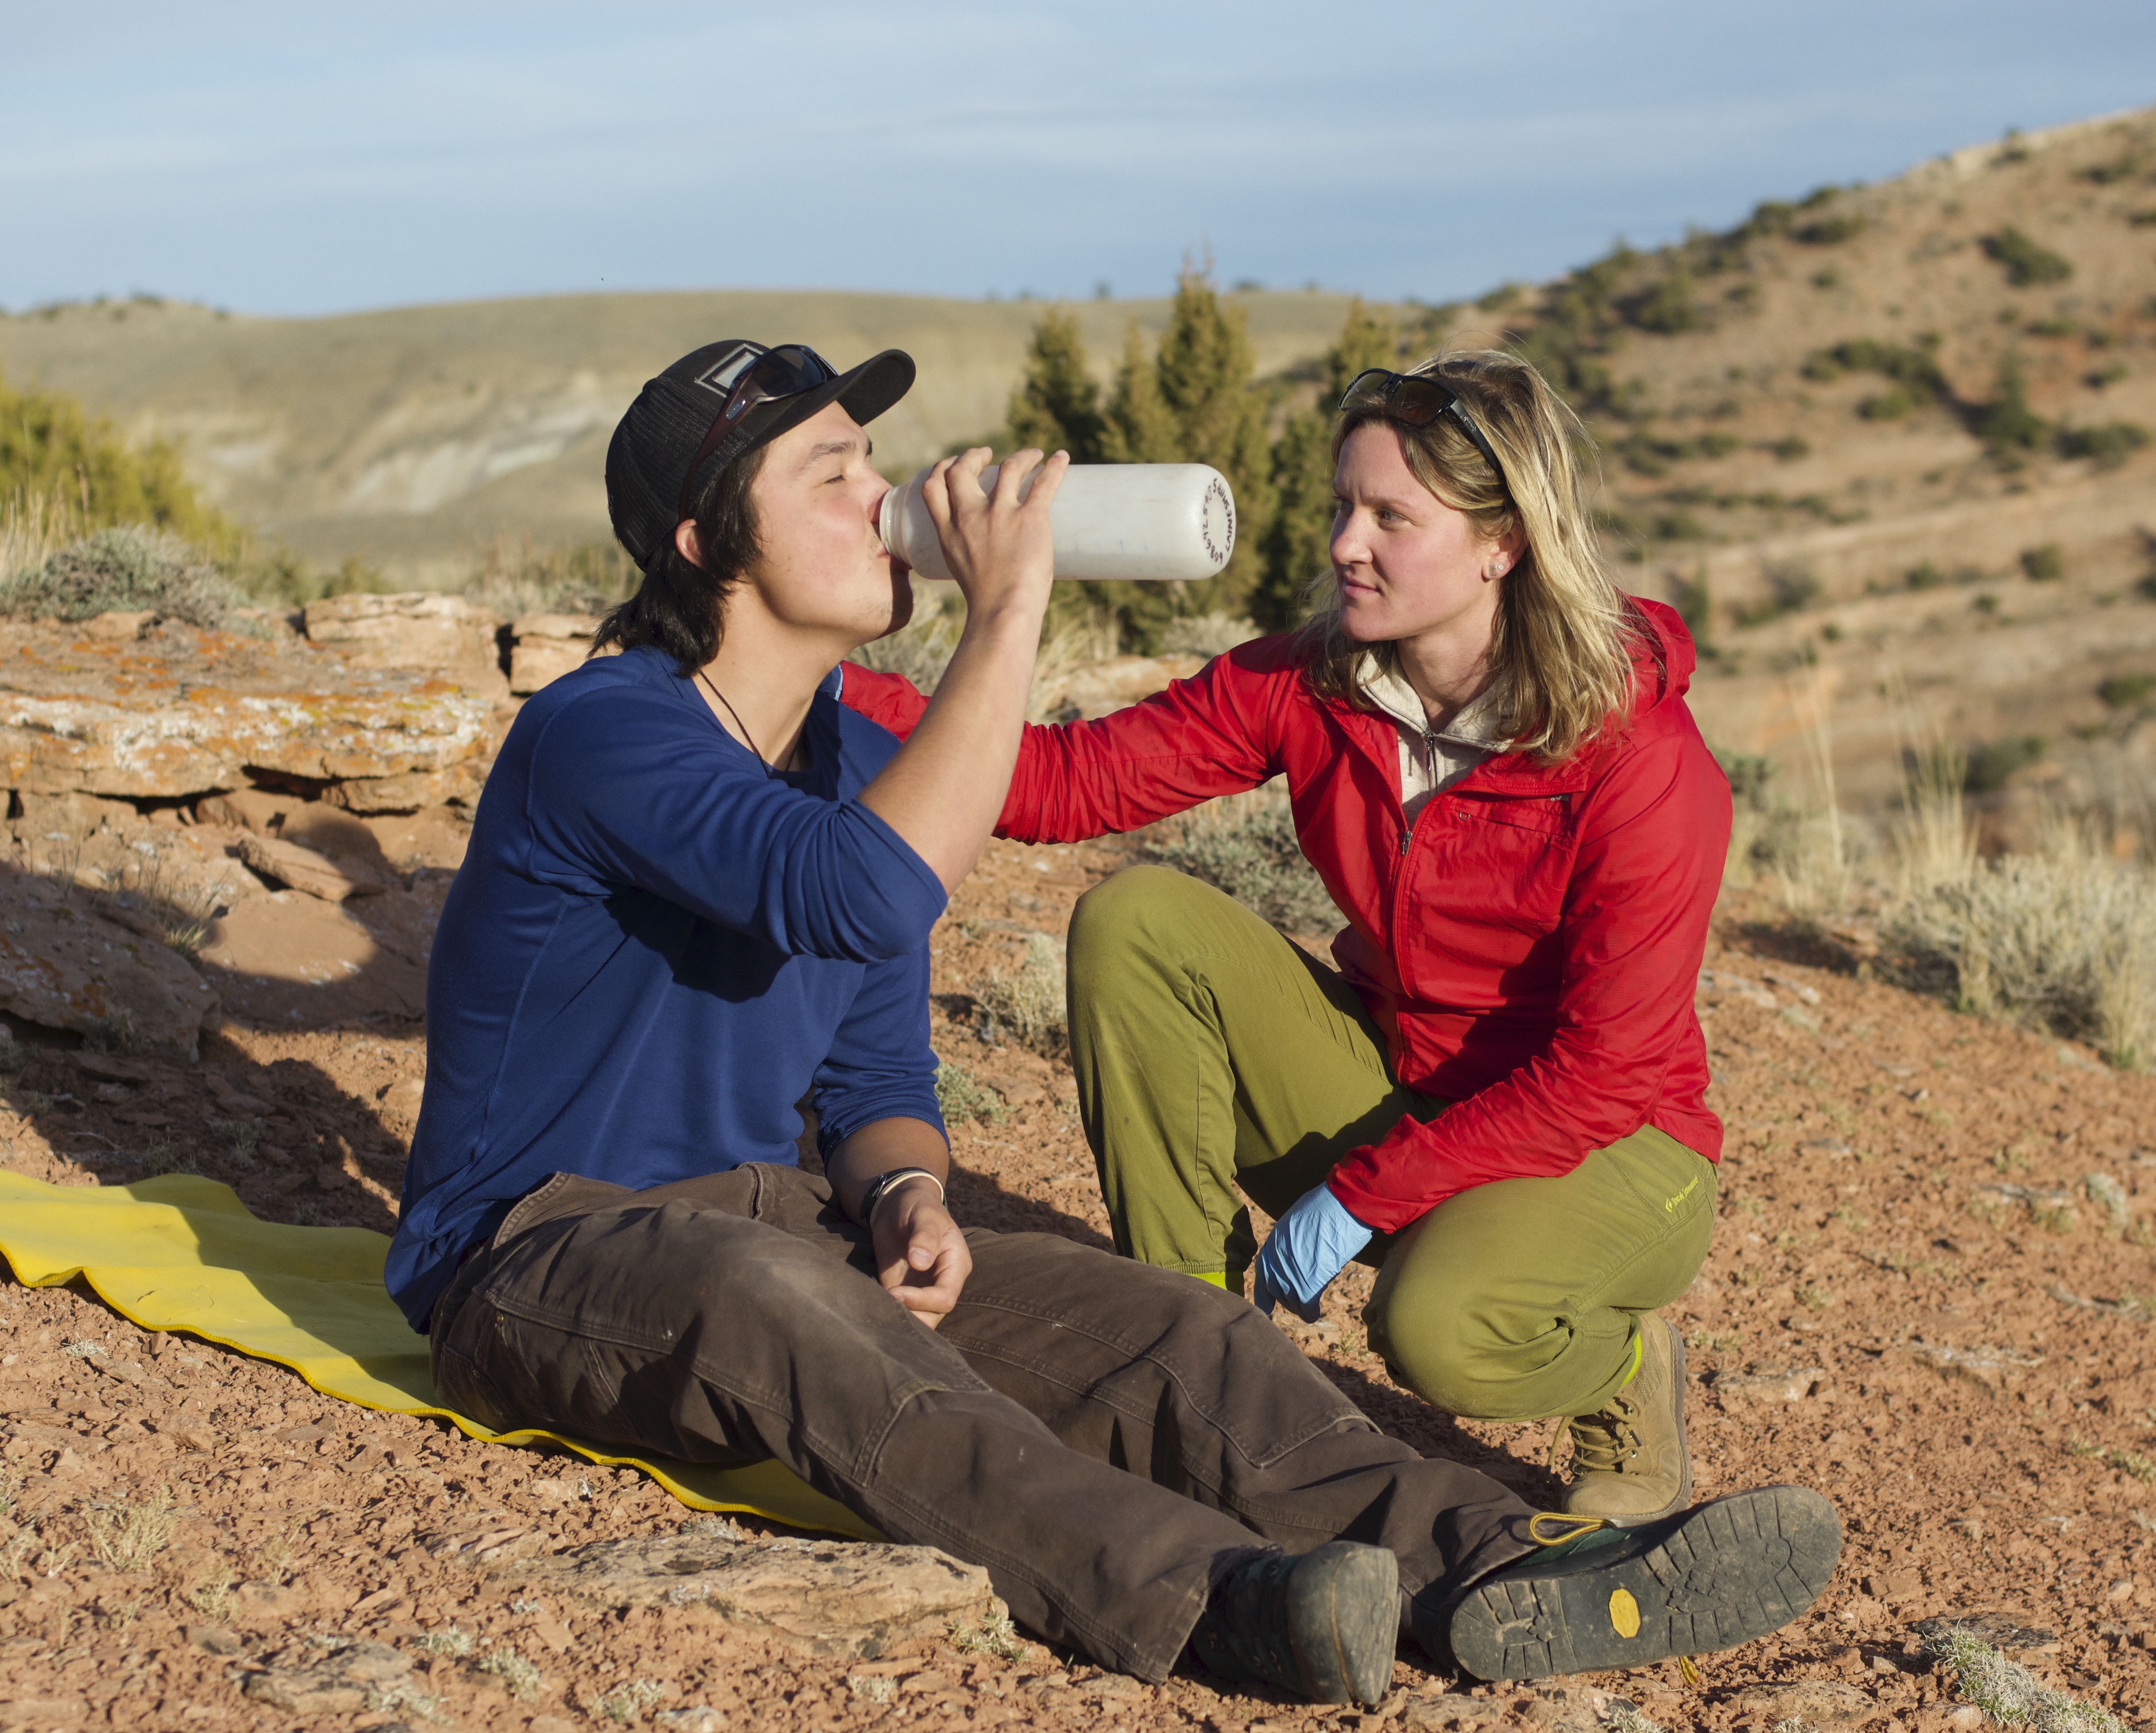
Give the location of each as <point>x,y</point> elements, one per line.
<point>1416,400</point>
<point>750,377</point>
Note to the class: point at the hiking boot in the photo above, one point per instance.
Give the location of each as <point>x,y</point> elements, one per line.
<point>1711,1577</point>
<point>1629,1461</point>
<point>1323,1622</point>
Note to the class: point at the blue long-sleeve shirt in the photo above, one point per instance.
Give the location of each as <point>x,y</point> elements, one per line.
<point>653,950</point>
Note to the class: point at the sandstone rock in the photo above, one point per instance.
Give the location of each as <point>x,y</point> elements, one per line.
<point>40,1712</point>
<point>432,836</point>
<point>831,1598</point>
<point>255,809</point>
<point>545,646</point>
<point>183,713</point>
<point>288,864</point>
<point>442,635</point>
<point>290,961</point>
<point>121,625</point>
<point>74,815</point>
<point>330,1676</point>
<point>1770,1384</point>
<point>459,783</point>
<point>66,964</point>
<point>399,1105</point>
<point>207,739</point>
<point>1820,1703</point>
<point>330,830</point>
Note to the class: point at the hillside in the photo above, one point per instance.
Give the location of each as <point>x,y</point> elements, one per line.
<point>409,435</point>
<point>1813,445</point>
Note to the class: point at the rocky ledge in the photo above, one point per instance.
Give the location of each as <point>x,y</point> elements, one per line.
<point>177,713</point>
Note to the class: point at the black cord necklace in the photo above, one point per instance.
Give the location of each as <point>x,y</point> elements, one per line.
<point>767,770</point>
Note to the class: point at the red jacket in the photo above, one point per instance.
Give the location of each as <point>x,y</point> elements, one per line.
<point>1529,948</point>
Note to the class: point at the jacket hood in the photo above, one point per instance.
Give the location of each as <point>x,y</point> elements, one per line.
<point>1665,658</point>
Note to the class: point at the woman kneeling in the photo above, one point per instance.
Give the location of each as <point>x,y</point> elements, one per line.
<point>1498,1097</point>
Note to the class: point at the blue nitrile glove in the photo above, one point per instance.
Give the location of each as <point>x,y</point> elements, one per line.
<point>1308,1246</point>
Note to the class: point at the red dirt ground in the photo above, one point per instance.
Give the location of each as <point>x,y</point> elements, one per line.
<point>1970,1368</point>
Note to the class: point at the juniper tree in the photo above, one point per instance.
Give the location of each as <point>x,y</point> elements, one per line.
<point>1193,400</point>
<point>1297,544</point>
<point>1138,427</point>
<point>1206,371</point>
<point>1057,404</point>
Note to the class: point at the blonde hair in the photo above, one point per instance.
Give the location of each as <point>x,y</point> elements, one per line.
<point>1561,648</point>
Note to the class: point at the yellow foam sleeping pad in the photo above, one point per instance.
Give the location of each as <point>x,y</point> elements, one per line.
<point>183,1252</point>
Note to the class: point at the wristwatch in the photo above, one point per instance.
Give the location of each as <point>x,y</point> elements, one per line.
<point>884,1184</point>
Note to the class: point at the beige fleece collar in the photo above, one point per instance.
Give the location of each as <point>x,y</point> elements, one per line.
<point>1475,726</point>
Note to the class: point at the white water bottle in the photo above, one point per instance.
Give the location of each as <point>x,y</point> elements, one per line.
<point>1128,520</point>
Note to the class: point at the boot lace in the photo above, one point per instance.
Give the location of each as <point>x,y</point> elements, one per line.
<point>1605,1442</point>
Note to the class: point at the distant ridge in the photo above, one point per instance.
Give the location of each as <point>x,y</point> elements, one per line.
<point>410,434</point>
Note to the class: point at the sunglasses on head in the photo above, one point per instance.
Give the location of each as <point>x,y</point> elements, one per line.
<point>1416,400</point>
<point>785,371</point>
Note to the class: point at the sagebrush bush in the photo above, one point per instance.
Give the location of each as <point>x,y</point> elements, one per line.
<point>2109,444</point>
<point>1027,1008</point>
<point>2008,1692</point>
<point>1256,858</point>
<point>130,568</point>
<point>517,577</point>
<point>2063,940</point>
<point>2028,263</point>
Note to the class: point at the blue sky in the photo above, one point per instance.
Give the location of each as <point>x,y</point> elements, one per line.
<point>280,159</point>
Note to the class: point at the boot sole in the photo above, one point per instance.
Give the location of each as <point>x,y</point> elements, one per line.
<point>1638,1520</point>
<point>1725,1573</point>
<point>1344,1622</point>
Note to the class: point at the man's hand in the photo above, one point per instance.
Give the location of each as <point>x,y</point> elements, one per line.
<point>922,1258</point>
<point>941,791</point>
<point>999,551</point>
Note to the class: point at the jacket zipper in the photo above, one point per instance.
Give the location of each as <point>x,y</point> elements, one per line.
<point>1429,751</point>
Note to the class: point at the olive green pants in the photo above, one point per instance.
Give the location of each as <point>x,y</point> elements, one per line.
<point>1212,1055</point>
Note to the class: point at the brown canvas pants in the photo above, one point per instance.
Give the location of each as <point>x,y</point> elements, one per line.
<point>1104,1437</point>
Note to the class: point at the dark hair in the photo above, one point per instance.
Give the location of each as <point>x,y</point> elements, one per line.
<point>680,607</point>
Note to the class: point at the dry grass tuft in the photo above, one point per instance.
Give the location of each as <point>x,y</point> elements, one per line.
<point>2063,939</point>
<point>1027,1008</point>
<point>998,1636</point>
<point>515,1672</point>
<point>32,529</point>
<point>127,1537</point>
<point>961,1097</point>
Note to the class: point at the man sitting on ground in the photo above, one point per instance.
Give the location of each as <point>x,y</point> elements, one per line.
<point>700,889</point>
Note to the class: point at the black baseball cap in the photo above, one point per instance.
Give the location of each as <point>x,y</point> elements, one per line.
<point>663,451</point>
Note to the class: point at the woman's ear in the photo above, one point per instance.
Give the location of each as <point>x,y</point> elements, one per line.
<point>684,540</point>
<point>1501,556</point>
